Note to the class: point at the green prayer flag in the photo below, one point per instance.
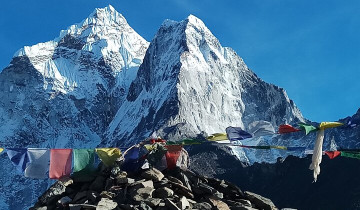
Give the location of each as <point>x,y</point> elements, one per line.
<point>190,141</point>
<point>351,154</point>
<point>83,159</point>
<point>307,128</point>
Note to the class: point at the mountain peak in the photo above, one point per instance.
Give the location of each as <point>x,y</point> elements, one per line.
<point>107,14</point>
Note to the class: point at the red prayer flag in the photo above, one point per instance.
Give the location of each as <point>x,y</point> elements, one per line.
<point>333,154</point>
<point>287,129</point>
<point>172,155</point>
<point>60,163</point>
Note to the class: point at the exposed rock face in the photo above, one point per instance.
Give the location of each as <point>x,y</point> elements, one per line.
<point>168,193</point>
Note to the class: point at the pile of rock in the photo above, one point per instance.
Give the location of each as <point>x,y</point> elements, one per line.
<point>149,189</point>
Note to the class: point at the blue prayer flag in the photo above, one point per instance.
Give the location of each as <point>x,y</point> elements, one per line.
<point>18,157</point>
<point>236,134</point>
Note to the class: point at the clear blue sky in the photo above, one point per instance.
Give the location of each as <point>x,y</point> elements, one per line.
<point>310,48</point>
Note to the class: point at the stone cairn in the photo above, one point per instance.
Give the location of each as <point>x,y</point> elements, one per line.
<point>146,189</point>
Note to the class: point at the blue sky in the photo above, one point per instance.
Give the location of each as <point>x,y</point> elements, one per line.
<point>310,48</point>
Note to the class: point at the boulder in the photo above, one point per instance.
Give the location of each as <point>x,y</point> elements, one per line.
<point>202,205</point>
<point>163,192</point>
<point>260,201</point>
<point>218,204</point>
<point>152,174</point>
<point>153,202</point>
<point>106,204</point>
<point>142,194</point>
<point>183,203</point>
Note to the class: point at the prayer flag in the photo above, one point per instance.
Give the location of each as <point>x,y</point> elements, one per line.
<point>261,128</point>
<point>236,134</point>
<point>307,128</point>
<point>60,163</point>
<point>278,147</point>
<point>18,157</point>
<point>38,165</point>
<point>351,154</point>
<point>108,155</point>
<point>1,150</point>
<point>172,155</point>
<point>317,155</point>
<point>217,137</point>
<point>325,125</point>
<point>83,159</point>
<point>132,162</point>
<point>287,129</point>
<point>332,154</point>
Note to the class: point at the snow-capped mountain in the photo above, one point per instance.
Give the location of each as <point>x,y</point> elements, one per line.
<point>100,83</point>
<point>189,84</point>
<point>65,92</point>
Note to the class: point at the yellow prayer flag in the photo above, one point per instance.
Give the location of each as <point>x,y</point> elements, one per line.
<point>217,137</point>
<point>149,147</point>
<point>325,125</point>
<point>108,155</point>
<point>278,147</point>
<point>1,149</point>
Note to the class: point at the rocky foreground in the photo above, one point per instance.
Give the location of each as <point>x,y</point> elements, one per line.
<point>149,189</point>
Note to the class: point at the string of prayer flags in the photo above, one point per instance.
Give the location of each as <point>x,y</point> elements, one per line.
<point>307,128</point>
<point>60,163</point>
<point>287,129</point>
<point>261,128</point>
<point>317,156</point>
<point>295,148</point>
<point>351,154</point>
<point>237,134</point>
<point>254,147</point>
<point>38,164</point>
<point>325,125</point>
<point>84,160</point>
<point>1,150</point>
<point>108,155</point>
<point>332,154</point>
<point>18,157</point>
<point>217,137</point>
<point>172,155</point>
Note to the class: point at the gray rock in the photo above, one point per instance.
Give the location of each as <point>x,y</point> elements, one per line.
<point>152,174</point>
<point>202,206</point>
<point>144,206</point>
<point>153,202</point>
<point>185,180</point>
<point>142,194</point>
<point>106,204</point>
<point>218,204</point>
<point>81,206</point>
<point>106,194</point>
<point>183,203</point>
<point>163,192</point>
<point>260,201</point>
<point>64,201</point>
<point>121,178</point>
<point>173,179</point>
<point>115,171</point>
<point>171,205</point>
